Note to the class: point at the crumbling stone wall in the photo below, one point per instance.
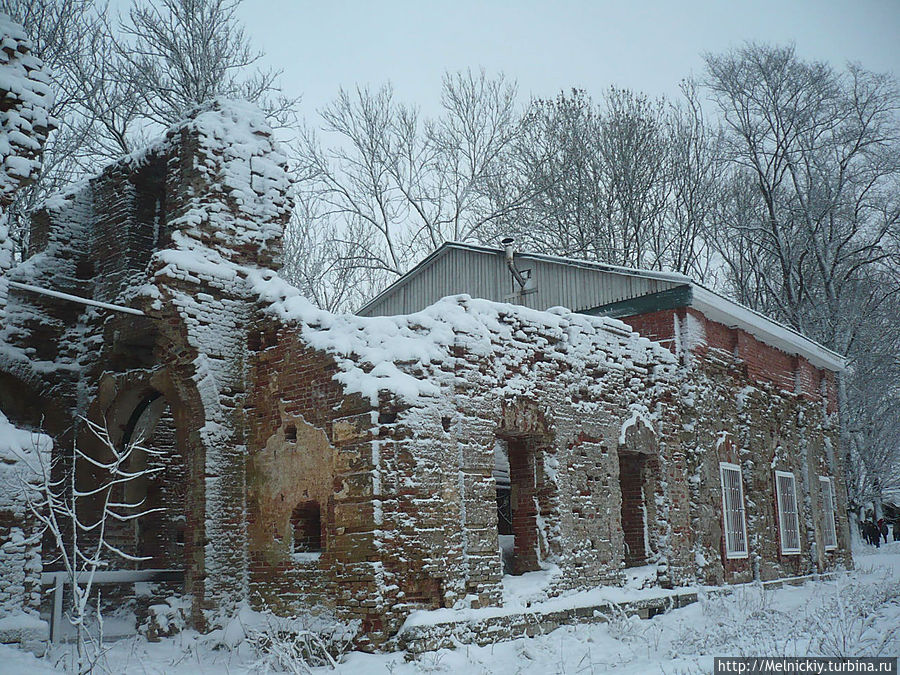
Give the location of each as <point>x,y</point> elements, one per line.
<point>337,462</point>
<point>25,101</point>
<point>22,453</point>
<point>410,517</point>
<point>174,232</point>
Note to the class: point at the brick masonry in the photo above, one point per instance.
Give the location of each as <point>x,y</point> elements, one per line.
<point>273,420</point>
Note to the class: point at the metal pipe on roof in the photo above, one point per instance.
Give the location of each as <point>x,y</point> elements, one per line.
<point>511,261</point>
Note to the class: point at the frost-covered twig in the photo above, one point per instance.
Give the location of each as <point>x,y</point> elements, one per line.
<point>81,537</point>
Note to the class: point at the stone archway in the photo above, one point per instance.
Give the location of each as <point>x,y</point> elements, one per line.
<point>142,409</point>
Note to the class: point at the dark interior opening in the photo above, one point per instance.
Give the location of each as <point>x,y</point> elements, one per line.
<point>306,521</point>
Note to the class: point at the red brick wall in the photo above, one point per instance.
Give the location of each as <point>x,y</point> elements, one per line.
<point>763,362</point>
<point>523,492</point>
<point>658,326</point>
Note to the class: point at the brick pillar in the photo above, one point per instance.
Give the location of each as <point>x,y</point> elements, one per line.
<point>631,485</point>
<point>524,492</point>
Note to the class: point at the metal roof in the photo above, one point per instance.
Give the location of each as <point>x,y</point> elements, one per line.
<point>580,285</point>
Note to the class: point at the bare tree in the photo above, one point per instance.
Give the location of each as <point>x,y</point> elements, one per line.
<point>393,187</point>
<point>179,53</point>
<point>821,149</point>
<point>629,181</point>
<point>809,229</point>
<point>323,263</point>
<point>553,160</point>
<point>695,189</point>
<point>470,141</point>
<point>872,393</point>
<point>78,517</point>
<point>634,157</point>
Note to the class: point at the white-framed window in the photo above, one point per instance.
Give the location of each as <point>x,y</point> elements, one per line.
<point>826,490</point>
<point>788,517</point>
<point>734,520</point>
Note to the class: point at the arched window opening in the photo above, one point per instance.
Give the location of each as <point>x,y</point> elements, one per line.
<point>306,521</point>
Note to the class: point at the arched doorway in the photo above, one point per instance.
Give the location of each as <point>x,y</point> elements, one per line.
<point>141,423</point>
<point>525,497</point>
<point>158,536</point>
<point>517,504</point>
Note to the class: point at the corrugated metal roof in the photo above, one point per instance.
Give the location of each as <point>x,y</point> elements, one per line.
<point>482,272</point>
<point>579,285</point>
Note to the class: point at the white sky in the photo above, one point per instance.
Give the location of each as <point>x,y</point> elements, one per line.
<point>647,45</point>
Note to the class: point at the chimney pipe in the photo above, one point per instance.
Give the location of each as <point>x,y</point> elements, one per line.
<point>507,243</point>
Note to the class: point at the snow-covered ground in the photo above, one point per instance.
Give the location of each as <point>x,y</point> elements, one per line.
<point>856,614</point>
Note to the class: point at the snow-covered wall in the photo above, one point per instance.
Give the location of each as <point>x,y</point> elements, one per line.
<point>350,462</point>
<point>752,405</point>
<point>25,101</point>
<point>413,407</point>
<point>22,453</point>
<point>175,230</point>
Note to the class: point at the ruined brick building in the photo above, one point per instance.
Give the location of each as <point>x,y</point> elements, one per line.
<point>374,465</point>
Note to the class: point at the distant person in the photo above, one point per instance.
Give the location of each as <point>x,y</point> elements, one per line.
<point>872,534</point>
<point>897,530</point>
<point>882,529</point>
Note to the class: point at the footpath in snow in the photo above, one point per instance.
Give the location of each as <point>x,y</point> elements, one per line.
<point>855,614</point>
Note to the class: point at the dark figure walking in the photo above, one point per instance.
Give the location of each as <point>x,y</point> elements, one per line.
<point>883,529</point>
<point>872,534</point>
<point>897,530</point>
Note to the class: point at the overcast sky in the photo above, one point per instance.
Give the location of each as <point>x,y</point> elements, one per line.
<point>647,45</point>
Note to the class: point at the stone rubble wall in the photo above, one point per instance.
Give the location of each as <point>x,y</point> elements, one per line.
<point>749,404</point>
<point>26,99</point>
<point>412,518</point>
<point>22,453</point>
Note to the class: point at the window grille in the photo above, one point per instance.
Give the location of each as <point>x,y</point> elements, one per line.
<point>826,489</point>
<point>788,517</point>
<point>733,517</point>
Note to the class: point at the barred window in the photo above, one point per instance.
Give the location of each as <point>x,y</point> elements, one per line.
<point>826,490</point>
<point>733,517</point>
<point>788,517</point>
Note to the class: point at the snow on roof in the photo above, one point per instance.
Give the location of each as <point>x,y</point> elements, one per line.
<point>730,313</point>
<point>394,353</point>
<point>711,303</point>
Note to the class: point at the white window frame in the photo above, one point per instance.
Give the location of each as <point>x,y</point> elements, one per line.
<point>734,516</point>
<point>829,532</point>
<point>782,501</point>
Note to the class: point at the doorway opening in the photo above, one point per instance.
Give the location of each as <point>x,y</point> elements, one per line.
<point>634,508</point>
<point>514,473</point>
